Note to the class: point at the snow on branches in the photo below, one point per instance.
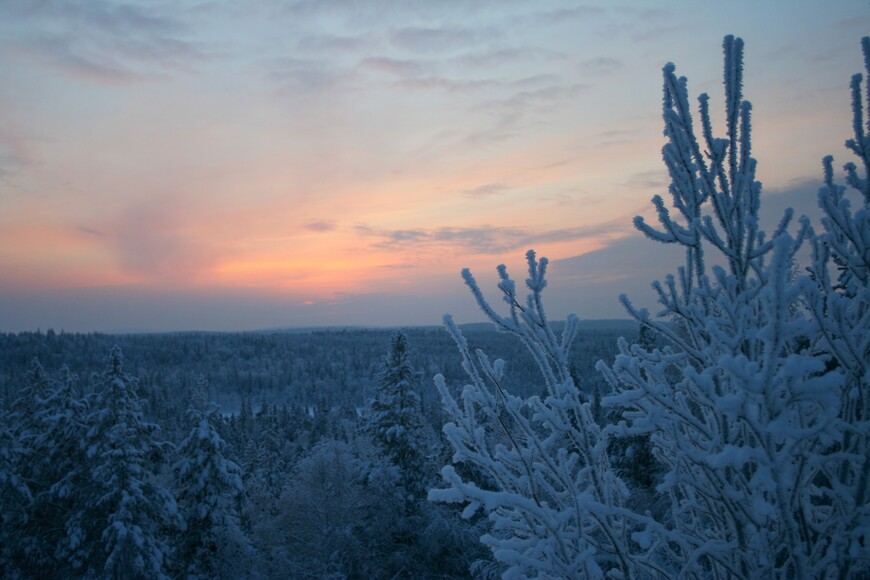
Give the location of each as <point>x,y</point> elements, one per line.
<point>753,395</point>
<point>541,466</point>
<point>837,293</point>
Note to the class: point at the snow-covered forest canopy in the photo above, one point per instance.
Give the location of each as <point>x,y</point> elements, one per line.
<point>725,436</point>
<point>302,469</point>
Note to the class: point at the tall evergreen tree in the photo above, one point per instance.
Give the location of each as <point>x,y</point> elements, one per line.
<point>120,527</point>
<point>742,414</point>
<point>841,310</point>
<point>209,492</point>
<point>394,418</point>
<point>60,459</point>
<point>754,394</point>
<point>27,423</point>
<point>538,466</point>
<point>14,499</point>
<point>26,411</point>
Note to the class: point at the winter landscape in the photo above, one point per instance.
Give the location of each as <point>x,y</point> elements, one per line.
<point>225,244</point>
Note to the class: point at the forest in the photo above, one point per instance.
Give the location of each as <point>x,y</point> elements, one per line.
<point>306,480</point>
<point>725,436</point>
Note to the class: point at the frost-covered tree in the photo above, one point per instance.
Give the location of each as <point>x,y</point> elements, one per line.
<point>14,498</point>
<point>740,412</point>
<point>42,450</point>
<point>631,455</point>
<point>209,492</point>
<point>755,404</point>
<point>26,413</point>
<point>838,295</point>
<point>22,475</point>
<point>33,426</point>
<point>541,464</point>
<point>394,419</point>
<point>314,529</point>
<point>60,464</point>
<point>120,526</point>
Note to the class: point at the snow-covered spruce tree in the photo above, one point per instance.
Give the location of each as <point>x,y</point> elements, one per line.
<point>14,499</point>
<point>46,428</point>
<point>394,419</point>
<point>119,528</point>
<point>543,476</point>
<point>315,528</point>
<point>209,492</point>
<point>838,294</point>
<point>743,415</point>
<point>26,415</point>
<point>60,462</point>
<point>631,455</point>
<point>21,547</point>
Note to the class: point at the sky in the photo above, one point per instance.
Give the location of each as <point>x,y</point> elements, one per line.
<point>222,165</point>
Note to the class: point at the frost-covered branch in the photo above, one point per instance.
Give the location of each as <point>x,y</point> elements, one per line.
<point>544,475</point>
<point>753,396</point>
<point>837,293</point>
<point>740,406</point>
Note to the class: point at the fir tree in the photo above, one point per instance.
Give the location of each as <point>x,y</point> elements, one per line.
<point>14,499</point>
<point>540,466</point>
<point>631,455</point>
<point>754,394</point>
<point>26,411</point>
<point>24,477</point>
<point>61,458</point>
<point>209,492</point>
<point>840,308</point>
<point>119,530</point>
<point>394,419</point>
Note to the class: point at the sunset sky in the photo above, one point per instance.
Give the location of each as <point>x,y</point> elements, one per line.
<point>244,165</point>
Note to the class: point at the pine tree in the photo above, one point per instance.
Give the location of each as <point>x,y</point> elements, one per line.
<point>394,420</point>
<point>30,415</point>
<point>739,411</point>
<point>540,465</point>
<point>26,410</point>
<point>754,394</point>
<point>119,529</point>
<point>15,497</point>
<point>209,492</point>
<point>61,461</point>
<point>841,309</point>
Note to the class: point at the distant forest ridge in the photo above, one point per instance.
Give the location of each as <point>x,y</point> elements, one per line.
<point>326,367</point>
<point>557,325</point>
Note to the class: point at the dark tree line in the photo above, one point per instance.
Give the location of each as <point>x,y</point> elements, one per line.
<point>123,465</point>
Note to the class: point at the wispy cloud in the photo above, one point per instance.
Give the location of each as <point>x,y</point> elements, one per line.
<point>656,179</point>
<point>335,43</point>
<point>489,58</point>
<point>320,226</point>
<point>447,84</point>
<point>99,41</point>
<point>563,15</point>
<point>506,114</point>
<point>435,40</point>
<point>396,67</point>
<point>599,66</point>
<point>487,190</point>
<point>91,232</point>
<point>97,14</point>
<point>15,152</point>
<point>479,240</point>
<point>523,101</point>
<point>487,239</point>
<point>303,75</point>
